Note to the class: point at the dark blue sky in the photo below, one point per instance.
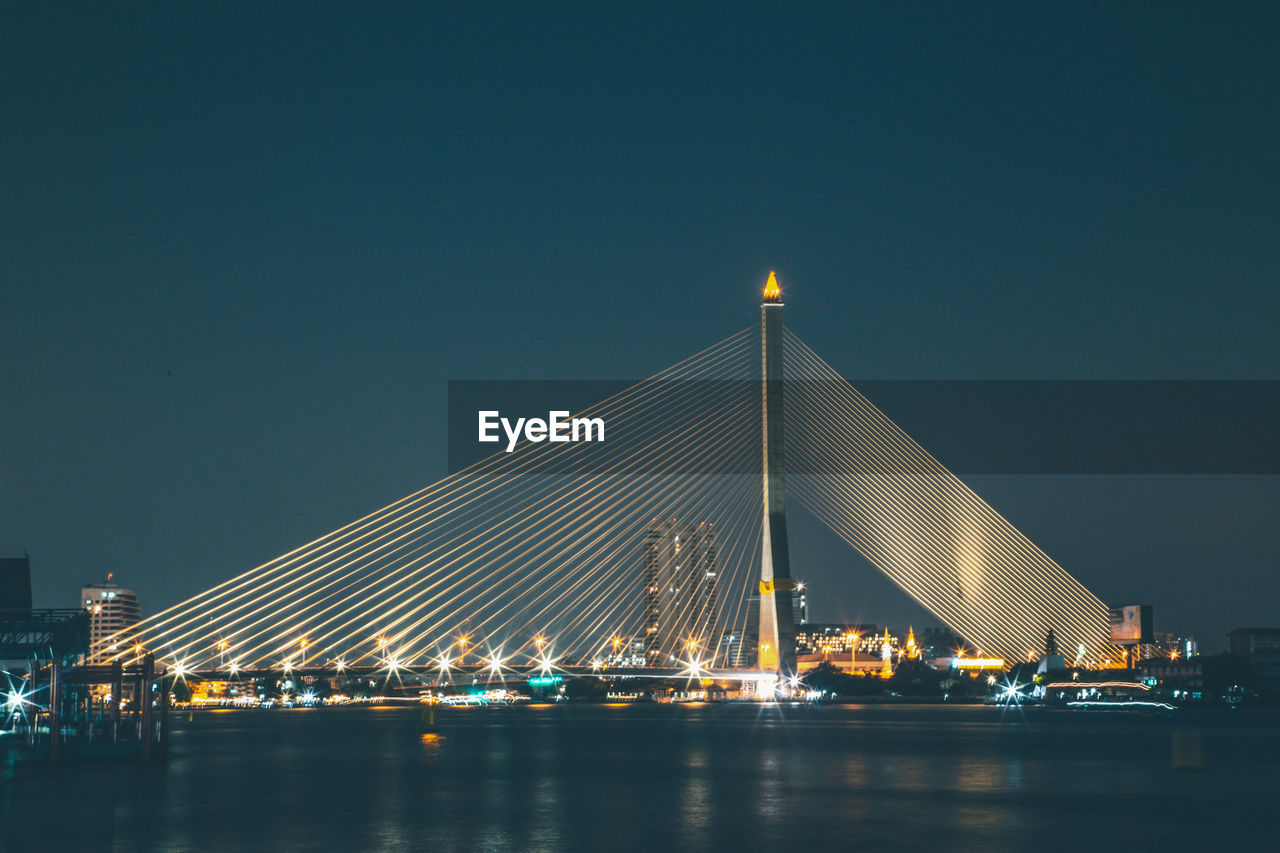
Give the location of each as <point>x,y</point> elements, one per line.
<point>243,250</point>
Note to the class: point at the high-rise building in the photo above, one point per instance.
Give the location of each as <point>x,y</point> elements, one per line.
<point>751,636</point>
<point>15,583</point>
<point>1259,648</point>
<point>732,651</point>
<point>1167,645</point>
<point>799,605</point>
<point>679,574</point>
<point>113,611</point>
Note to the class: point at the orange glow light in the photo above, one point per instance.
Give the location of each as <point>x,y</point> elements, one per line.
<point>772,293</point>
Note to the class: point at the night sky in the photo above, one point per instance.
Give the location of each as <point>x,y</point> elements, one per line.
<point>243,250</point>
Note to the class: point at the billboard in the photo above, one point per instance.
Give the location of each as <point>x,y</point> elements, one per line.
<point>1131,624</point>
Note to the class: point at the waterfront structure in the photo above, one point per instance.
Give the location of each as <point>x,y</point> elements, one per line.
<point>851,663</point>
<point>113,613</point>
<point>1208,678</point>
<point>777,636</point>
<point>679,575</point>
<point>1259,648</point>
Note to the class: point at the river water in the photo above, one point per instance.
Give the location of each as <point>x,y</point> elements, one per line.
<point>664,778</point>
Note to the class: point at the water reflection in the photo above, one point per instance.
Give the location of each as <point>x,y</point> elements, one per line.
<point>768,777</point>
<point>908,773</point>
<point>658,777</point>
<point>696,810</point>
<point>979,774</point>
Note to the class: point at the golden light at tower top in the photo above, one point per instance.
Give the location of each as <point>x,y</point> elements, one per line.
<point>772,293</point>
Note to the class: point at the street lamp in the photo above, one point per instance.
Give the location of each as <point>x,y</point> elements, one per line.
<point>462,648</point>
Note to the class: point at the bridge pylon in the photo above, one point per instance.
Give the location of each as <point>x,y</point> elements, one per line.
<point>776,649</point>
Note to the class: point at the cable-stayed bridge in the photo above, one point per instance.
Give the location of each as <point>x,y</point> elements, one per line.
<point>662,548</point>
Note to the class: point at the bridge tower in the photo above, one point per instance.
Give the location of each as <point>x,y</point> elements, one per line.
<point>776,651</point>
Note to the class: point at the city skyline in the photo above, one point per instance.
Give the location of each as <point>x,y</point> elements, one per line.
<point>679,426</point>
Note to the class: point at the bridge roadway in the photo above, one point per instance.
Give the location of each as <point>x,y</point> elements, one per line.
<point>464,674</point>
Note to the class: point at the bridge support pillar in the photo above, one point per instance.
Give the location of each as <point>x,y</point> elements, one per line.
<point>144,699</point>
<point>117,696</point>
<point>55,709</point>
<point>776,650</point>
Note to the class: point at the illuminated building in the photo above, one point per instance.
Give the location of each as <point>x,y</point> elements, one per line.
<point>1208,678</point>
<point>799,605</point>
<point>829,639</point>
<point>1166,645</point>
<point>853,663</point>
<point>113,610</point>
<point>679,574</point>
<point>976,664</point>
<point>874,644</point>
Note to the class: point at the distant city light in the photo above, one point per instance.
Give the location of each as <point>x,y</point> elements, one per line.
<point>978,663</point>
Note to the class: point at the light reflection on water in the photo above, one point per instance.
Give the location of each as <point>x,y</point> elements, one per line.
<point>652,777</point>
<point>696,797</point>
